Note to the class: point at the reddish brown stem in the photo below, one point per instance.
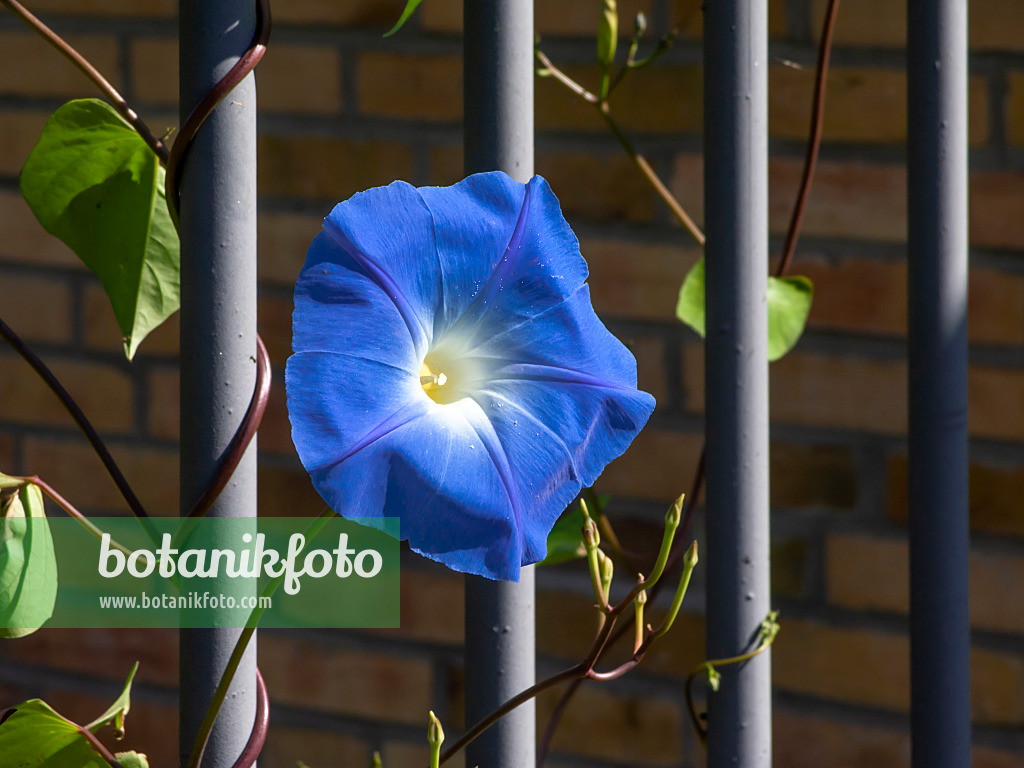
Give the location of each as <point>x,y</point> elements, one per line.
<point>241,439</point>
<point>79,417</point>
<point>87,69</point>
<point>814,141</point>
<point>245,64</point>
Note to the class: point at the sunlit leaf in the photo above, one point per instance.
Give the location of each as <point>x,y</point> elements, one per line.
<point>116,712</point>
<point>35,736</point>
<point>789,304</point>
<point>94,183</point>
<point>28,566</point>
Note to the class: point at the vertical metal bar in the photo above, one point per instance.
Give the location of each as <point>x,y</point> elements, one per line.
<point>937,338</point>
<point>736,205</point>
<point>498,120</point>
<point>218,334</point>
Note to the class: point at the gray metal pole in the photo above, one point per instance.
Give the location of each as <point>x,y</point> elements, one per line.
<point>736,205</point>
<point>218,335</point>
<point>937,338</point>
<point>498,119</point>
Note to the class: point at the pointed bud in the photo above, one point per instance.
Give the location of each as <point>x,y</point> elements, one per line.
<point>607,34</point>
<point>375,762</point>
<point>690,558</point>
<point>675,513</point>
<point>435,733</point>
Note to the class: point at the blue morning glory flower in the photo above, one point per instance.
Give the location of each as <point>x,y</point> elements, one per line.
<point>449,369</point>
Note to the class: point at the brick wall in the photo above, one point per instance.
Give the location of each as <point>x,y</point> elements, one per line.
<point>343,109</point>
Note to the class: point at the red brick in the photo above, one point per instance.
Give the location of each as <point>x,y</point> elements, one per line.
<point>878,23</point>
<point>866,295</point>
<point>37,308</point>
<point>108,653</point>
<point>150,728</point>
<point>569,17</point>
<point>135,9</point>
<point>872,668</point>
<point>688,18</point>
<point>996,198</point>
<point>848,199</point>
<point>809,389</point>
<point>811,741</point>
<point>286,491</point>
<point>101,332</point>
<point>22,240</point>
<point>402,754</point>
<point>853,93</point>
<point>650,366</point>
<point>154,76</point>
<point>637,280</point>
<point>410,87</point>
<point>275,434</point>
<point>813,475</point>
<point>19,132</point>
<point>290,78</point>
<point>7,454</point>
<point>76,473</point>
<point>1015,107</point>
<point>104,392</point>
<point>994,501</point>
<point>867,395</point>
<point>865,573</point>
<point>327,167</point>
<point>50,74</point>
<point>636,729</point>
<point>659,465</point>
<point>992,24</point>
<point>598,188</point>
<point>996,403</point>
<point>342,680</point>
<point>432,606</point>
<point>985,757</point>
<point>352,13</point>
<point>662,99</point>
<point>284,239</point>
<point>275,324</point>
<point>164,394</point>
<point>853,665</point>
<point>299,78</point>
<point>997,688</point>
<point>789,567</point>
<point>286,746</point>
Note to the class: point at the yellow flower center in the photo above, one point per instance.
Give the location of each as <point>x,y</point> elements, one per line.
<point>440,377</point>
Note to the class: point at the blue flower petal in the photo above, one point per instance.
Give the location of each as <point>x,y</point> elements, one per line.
<point>377,397</point>
<point>388,231</point>
<point>474,223</point>
<point>482,281</point>
<point>338,308</point>
<point>435,474</point>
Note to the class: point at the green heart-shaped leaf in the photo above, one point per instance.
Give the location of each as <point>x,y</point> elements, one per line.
<point>95,184</point>
<point>789,304</point>
<point>28,565</point>
<point>35,736</point>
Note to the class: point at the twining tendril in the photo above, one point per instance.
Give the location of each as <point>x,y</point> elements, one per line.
<point>173,161</point>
